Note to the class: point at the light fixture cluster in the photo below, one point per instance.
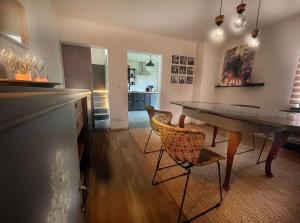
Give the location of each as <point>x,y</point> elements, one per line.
<point>238,22</point>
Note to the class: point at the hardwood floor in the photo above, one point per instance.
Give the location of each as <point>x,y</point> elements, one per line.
<point>120,184</point>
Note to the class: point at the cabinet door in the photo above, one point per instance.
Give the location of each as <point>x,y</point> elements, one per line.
<point>147,99</point>
<point>77,64</point>
<point>39,170</point>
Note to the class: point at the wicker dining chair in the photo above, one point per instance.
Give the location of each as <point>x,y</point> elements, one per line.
<point>151,112</point>
<point>186,148</point>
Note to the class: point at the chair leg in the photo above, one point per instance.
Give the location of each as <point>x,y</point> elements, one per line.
<point>214,206</point>
<point>253,139</point>
<point>157,164</point>
<point>261,151</point>
<point>220,182</point>
<point>148,140</point>
<point>183,196</point>
<point>249,150</point>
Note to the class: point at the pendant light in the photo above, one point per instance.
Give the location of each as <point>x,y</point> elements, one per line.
<point>219,20</point>
<point>254,42</point>
<point>150,63</point>
<point>240,20</point>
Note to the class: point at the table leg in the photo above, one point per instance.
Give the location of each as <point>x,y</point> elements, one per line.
<point>233,144</point>
<point>215,133</point>
<point>280,138</point>
<point>181,121</point>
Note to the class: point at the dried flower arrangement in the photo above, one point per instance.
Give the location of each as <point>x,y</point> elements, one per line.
<point>16,64</point>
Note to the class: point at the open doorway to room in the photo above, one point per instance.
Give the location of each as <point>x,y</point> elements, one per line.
<point>87,68</point>
<point>99,59</point>
<point>144,72</point>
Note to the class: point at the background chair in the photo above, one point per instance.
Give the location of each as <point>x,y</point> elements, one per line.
<point>151,112</point>
<point>185,147</point>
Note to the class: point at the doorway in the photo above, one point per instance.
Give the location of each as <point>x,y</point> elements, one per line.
<point>100,90</point>
<point>86,68</point>
<point>144,73</point>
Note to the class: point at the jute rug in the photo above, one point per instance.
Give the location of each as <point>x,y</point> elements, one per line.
<point>253,196</point>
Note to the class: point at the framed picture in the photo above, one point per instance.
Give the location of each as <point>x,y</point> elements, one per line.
<point>191,60</point>
<point>190,70</point>
<point>182,79</point>
<point>237,67</point>
<point>189,80</point>
<point>175,59</point>
<point>182,70</point>
<point>183,60</point>
<point>174,69</point>
<point>174,79</point>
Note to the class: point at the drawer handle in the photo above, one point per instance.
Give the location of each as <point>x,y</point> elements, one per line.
<point>75,105</point>
<point>82,187</point>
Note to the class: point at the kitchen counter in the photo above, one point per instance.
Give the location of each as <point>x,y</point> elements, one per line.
<point>138,100</point>
<point>45,135</point>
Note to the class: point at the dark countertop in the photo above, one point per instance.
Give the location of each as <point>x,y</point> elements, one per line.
<point>19,104</point>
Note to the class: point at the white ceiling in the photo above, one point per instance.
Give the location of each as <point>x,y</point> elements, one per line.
<point>184,19</point>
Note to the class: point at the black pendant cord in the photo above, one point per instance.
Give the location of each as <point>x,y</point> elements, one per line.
<point>257,14</point>
<point>221,7</point>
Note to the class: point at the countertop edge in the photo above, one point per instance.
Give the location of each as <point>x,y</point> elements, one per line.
<point>18,105</point>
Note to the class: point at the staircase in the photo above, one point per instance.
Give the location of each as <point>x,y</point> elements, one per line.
<point>101,110</point>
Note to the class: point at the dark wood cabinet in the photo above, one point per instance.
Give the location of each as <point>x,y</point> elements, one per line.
<point>44,154</point>
<point>138,101</point>
<point>77,64</point>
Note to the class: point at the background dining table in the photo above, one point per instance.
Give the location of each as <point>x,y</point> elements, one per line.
<point>238,120</point>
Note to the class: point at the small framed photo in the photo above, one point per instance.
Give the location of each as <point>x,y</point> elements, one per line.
<point>183,60</point>
<point>175,59</point>
<point>189,80</point>
<point>182,70</point>
<point>191,60</point>
<point>190,70</point>
<point>174,79</point>
<point>182,79</point>
<point>174,69</point>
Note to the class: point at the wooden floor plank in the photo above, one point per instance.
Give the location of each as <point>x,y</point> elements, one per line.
<point>120,189</point>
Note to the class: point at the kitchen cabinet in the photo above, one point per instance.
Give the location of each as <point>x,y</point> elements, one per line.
<point>137,101</point>
<point>45,141</point>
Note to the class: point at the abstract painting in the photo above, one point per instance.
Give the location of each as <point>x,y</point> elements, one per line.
<point>237,67</point>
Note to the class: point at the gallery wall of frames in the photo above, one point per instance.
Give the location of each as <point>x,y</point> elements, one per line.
<point>182,69</point>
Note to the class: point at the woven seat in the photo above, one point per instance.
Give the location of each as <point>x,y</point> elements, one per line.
<point>185,147</point>
<point>207,156</point>
<point>151,113</point>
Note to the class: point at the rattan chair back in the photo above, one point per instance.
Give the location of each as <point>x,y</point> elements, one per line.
<point>181,144</point>
<point>152,112</point>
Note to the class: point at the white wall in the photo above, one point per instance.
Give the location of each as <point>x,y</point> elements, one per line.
<point>275,65</point>
<point>42,35</point>
<point>118,42</point>
<point>98,56</point>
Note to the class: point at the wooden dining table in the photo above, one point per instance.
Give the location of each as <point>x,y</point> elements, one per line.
<point>237,120</point>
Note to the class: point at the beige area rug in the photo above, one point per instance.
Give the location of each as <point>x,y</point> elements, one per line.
<point>253,196</point>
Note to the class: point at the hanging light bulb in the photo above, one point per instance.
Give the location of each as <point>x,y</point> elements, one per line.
<point>219,20</point>
<point>240,20</point>
<point>219,32</point>
<point>254,41</point>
